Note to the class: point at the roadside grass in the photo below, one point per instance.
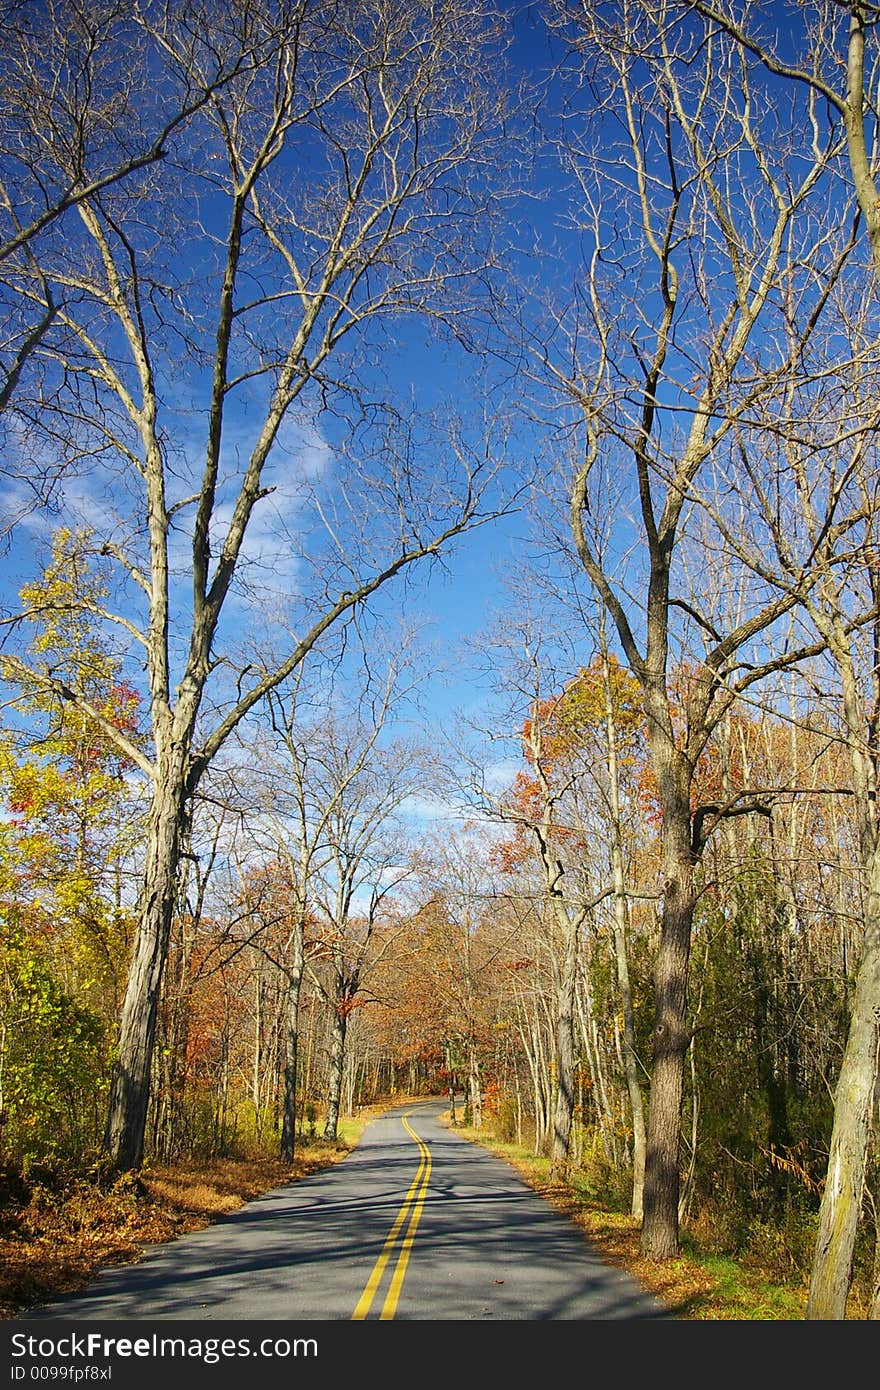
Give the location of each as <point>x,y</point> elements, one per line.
<point>55,1235</point>
<point>57,1232</point>
<point>746,1293</point>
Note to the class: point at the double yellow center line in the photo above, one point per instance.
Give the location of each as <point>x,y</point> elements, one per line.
<point>412,1209</point>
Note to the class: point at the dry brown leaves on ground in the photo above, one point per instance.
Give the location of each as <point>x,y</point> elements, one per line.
<point>55,1238</point>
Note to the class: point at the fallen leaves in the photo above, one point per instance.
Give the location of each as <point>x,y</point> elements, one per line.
<point>54,1239</point>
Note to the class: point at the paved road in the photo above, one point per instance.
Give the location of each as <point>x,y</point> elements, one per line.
<point>415,1224</point>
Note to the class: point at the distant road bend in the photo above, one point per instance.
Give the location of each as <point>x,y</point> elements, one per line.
<point>416,1223</point>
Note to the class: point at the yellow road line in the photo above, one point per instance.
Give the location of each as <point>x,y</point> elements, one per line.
<point>390,1305</point>
<point>412,1206</point>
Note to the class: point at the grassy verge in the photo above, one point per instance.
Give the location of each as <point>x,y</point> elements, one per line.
<point>56,1234</point>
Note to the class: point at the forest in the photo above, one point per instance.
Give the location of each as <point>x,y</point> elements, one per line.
<point>304,305</point>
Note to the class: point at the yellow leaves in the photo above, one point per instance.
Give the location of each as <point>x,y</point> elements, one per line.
<point>573,721</point>
<point>73,891</point>
<point>68,583</point>
<point>66,793</point>
<point>61,608</point>
<point>7,755</point>
<point>787,1161</point>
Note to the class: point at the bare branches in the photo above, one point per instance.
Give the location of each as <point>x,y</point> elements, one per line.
<point>382,114</point>
<point>850,102</point>
<point>708,346</point>
<point>77,127</point>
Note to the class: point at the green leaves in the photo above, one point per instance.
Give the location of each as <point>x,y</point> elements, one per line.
<point>53,1058</point>
<point>65,840</point>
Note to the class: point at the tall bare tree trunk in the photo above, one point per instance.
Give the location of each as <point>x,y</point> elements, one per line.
<point>176,995</point>
<point>671,1036</point>
<point>130,1087</point>
<point>294,975</point>
<point>474,1084</point>
<point>565,1008</point>
<point>854,1102</point>
<point>605,1121</point>
<point>620,922</point>
<point>335,1063</point>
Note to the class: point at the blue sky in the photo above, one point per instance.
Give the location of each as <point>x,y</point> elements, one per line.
<point>452,607</point>
<point>457,602</point>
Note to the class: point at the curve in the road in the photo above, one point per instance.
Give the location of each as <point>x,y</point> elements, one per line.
<point>416,1223</point>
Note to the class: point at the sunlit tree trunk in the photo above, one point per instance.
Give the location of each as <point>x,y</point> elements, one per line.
<point>565,1049</point>
<point>474,1085</point>
<point>605,1119</point>
<point>621,953</point>
<point>335,1064</point>
<point>130,1089</point>
<point>855,1107</point>
<point>671,1035</point>
<point>293,976</point>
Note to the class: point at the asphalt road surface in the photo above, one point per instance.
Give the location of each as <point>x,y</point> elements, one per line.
<point>415,1224</point>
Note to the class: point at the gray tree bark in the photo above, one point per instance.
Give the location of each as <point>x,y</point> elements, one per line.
<point>335,1065</point>
<point>130,1087</point>
<point>854,1118</point>
<point>294,970</point>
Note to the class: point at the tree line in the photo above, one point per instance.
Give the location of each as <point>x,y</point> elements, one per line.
<point>296,298</point>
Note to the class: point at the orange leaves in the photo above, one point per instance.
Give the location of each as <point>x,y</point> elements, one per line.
<point>526,802</point>
<point>347,1004</point>
<point>510,855</point>
<point>568,740</point>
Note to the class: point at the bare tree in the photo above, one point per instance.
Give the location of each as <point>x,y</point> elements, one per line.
<point>77,121</point>
<point>831,52</point>
<point>806,468</point>
<point>320,766</point>
<point>569,713</point>
<point>673,336</point>
<point>464,948</point>
<point>547,806</point>
<point>218,306</point>
<point>362,789</point>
